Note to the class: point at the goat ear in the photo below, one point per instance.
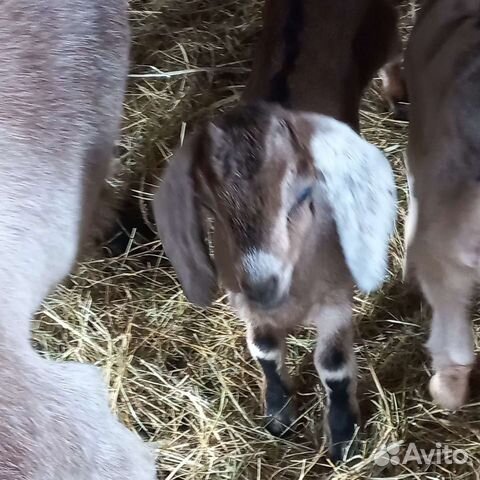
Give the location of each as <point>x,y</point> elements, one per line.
<point>176,212</point>
<point>360,187</point>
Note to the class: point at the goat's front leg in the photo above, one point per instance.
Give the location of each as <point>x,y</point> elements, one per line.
<point>336,366</point>
<point>267,346</point>
<point>394,87</point>
<point>448,288</point>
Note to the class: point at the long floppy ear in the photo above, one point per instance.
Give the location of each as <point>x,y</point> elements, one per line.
<point>360,187</point>
<point>176,211</point>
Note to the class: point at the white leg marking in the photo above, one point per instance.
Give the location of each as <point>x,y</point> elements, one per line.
<point>337,375</point>
<point>272,355</point>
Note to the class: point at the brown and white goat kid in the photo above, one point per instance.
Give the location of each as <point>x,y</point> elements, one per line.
<point>63,65</point>
<point>302,206</point>
<point>443,227</point>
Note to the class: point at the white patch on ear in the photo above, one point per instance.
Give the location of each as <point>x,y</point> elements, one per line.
<point>360,187</point>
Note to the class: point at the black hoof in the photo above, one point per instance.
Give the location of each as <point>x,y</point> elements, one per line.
<point>401,112</point>
<point>338,453</point>
<point>341,436</point>
<point>341,421</point>
<point>342,451</point>
<point>279,423</point>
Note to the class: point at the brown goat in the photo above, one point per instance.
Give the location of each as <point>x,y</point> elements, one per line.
<point>443,227</point>
<point>63,65</point>
<point>302,206</point>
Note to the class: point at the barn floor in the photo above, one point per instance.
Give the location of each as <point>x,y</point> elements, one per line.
<point>183,377</point>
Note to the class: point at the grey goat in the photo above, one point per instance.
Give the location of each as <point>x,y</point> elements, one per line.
<point>63,65</point>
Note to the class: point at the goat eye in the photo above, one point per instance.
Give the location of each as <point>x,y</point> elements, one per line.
<point>302,198</point>
<point>307,193</point>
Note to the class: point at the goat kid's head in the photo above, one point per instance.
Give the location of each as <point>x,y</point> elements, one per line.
<point>258,170</point>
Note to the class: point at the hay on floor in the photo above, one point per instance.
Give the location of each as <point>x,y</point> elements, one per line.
<point>182,377</point>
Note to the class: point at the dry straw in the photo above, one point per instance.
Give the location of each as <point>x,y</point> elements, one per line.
<point>182,377</point>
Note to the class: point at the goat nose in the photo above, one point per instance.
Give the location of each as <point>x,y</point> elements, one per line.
<point>263,291</point>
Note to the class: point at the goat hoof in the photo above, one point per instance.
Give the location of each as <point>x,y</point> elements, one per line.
<point>340,425</point>
<point>340,452</point>
<point>279,423</point>
<point>400,112</point>
<point>449,386</point>
<point>342,444</point>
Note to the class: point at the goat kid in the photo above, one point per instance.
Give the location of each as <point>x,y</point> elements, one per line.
<point>63,65</point>
<point>302,206</point>
<point>443,226</point>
